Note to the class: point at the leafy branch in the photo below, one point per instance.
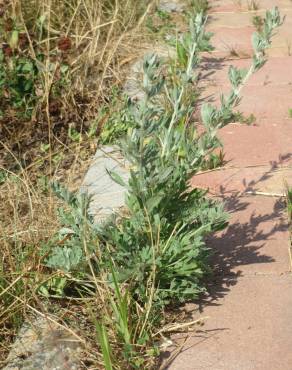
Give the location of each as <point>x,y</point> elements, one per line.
<point>217,118</point>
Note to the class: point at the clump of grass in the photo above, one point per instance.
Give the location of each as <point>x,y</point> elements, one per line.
<point>258,22</point>
<point>27,218</point>
<point>253,5</point>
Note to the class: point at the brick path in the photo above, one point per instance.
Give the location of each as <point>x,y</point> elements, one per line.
<point>249,307</point>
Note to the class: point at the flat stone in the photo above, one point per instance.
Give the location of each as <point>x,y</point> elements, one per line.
<point>133,87</point>
<point>107,196</point>
<point>245,19</point>
<point>41,344</point>
<point>170,6</point>
<point>248,327</point>
<point>232,40</point>
<point>267,143</point>
<point>265,102</point>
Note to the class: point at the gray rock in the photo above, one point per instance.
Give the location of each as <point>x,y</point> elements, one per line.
<point>107,196</point>
<point>170,6</point>
<point>43,345</point>
<point>132,86</point>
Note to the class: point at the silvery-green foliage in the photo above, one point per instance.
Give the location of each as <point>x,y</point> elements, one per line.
<point>192,43</point>
<point>262,40</point>
<point>161,239</point>
<point>77,232</point>
<point>219,117</point>
<point>166,222</point>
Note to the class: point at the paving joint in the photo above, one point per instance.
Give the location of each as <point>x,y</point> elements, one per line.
<point>253,274</point>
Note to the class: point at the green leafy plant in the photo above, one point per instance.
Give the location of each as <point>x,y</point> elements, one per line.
<point>117,123</point>
<point>105,346</point>
<point>155,254</point>
<point>160,24</point>
<point>289,203</point>
<point>3,176</point>
<point>18,77</point>
<point>77,231</point>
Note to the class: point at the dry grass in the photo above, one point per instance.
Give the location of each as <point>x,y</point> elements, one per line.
<point>79,48</point>
<point>97,39</point>
<point>26,219</point>
<point>96,34</point>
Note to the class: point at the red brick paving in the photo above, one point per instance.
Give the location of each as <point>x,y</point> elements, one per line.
<point>248,327</point>
<point>249,302</point>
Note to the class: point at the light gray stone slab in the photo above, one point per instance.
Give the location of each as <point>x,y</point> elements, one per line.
<point>133,84</point>
<point>170,6</point>
<point>43,345</point>
<point>107,196</point>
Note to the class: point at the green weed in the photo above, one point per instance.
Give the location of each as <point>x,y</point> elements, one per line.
<point>289,203</point>
<point>105,346</point>
<point>165,224</point>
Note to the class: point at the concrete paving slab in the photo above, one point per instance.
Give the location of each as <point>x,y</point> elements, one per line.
<point>107,196</point>
<point>245,19</point>
<point>232,41</point>
<point>249,327</point>
<point>281,50</point>
<point>256,240</point>
<point>233,6</point>
<point>265,102</point>
<point>233,20</point>
<point>267,143</point>
<point>233,38</point>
